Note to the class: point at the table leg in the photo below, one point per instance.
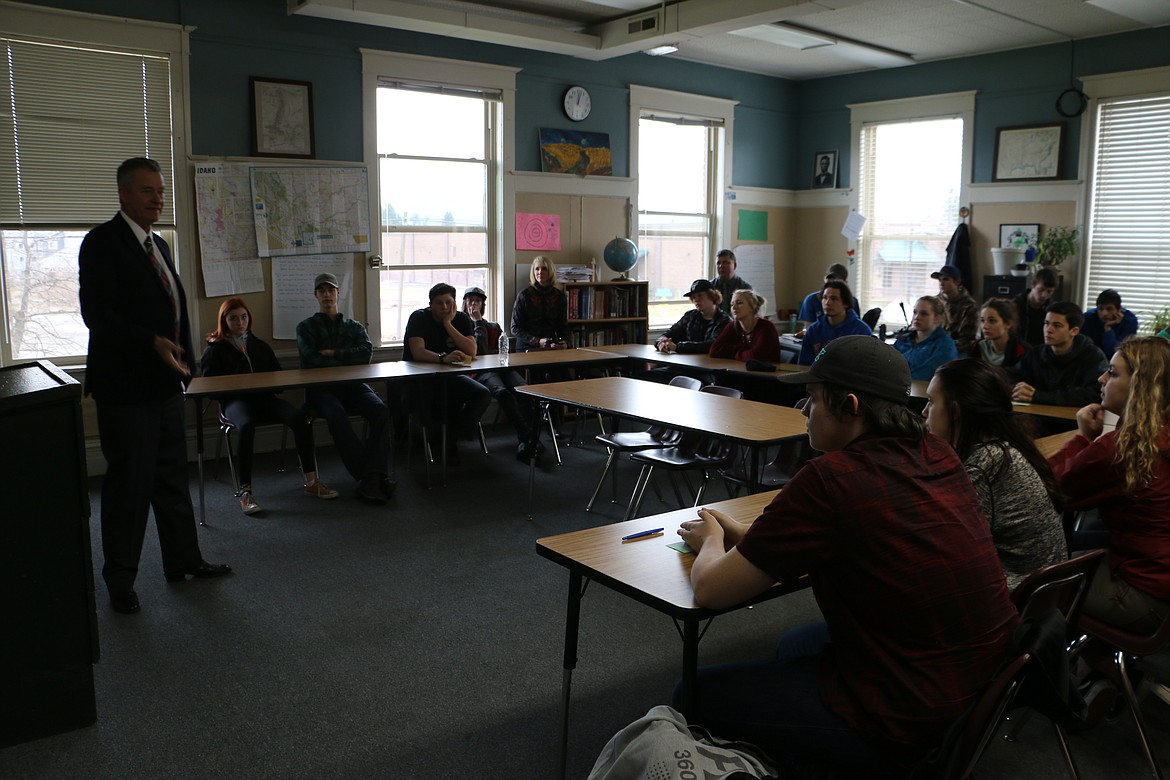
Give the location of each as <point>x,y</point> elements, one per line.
<point>393,456</point>
<point>199,458</point>
<point>572,624</point>
<point>755,467</point>
<point>538,408</point>
<point>690,665</point>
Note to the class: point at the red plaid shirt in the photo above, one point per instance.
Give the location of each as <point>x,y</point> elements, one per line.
<point>906,574</point>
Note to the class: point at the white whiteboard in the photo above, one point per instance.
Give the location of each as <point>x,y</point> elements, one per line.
<point>755,263</point>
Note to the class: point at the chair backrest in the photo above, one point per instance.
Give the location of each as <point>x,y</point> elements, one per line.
<point>687,382</point>
<point>871,317</point>
<point>789,354</point>
<point>728,392</point>
<point>1059,586</point>
<point>984,718</point>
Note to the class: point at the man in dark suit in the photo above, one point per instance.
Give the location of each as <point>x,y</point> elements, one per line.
<point>139,356</point>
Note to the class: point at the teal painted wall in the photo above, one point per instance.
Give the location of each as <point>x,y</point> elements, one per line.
<point>779,124</point>
<point>1017,87</point>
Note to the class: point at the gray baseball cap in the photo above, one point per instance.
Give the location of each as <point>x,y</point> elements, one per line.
<point>861,364</point>
<point>328,279</point>
<point>837,271</point>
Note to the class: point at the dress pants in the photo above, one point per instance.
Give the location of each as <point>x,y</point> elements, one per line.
<point>145,447</point>
<point>336,404</point>
<point>247,412</point>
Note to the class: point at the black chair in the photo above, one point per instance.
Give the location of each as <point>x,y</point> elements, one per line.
<point>694,451</point>
<point>871,317</point>
<point>653,437</point>
<point>1128,648</point>
<point>1060,586</point>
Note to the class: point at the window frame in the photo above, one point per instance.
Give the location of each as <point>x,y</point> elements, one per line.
<point>704,108</point>
<point>78,28</point>
<point>380,67</point>
<point>1105,88</point>
<point>943,105</point>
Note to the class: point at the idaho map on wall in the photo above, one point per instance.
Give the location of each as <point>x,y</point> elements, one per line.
<point>310,210</point>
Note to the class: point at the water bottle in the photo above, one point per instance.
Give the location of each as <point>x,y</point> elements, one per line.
<point>792,324</point>
<point>504,346</point>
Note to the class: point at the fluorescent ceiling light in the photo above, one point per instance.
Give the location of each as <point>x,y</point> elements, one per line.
<point>1151,12</point>
<point>783,35</point>
<point>658,51</point>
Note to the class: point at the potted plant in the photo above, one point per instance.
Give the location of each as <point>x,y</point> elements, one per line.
<point>1057,245</point>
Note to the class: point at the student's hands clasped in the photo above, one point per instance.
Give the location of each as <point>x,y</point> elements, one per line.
<point>711,524</point>
<point>666,345</point>
<point>1091,421</point>
<point>1023,392</point>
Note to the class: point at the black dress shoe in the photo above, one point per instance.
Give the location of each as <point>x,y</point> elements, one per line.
<point>203,570</point>
<point>125,601</point>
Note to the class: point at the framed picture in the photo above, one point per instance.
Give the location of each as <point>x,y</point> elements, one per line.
<point>282,118</point>
<point>574,151</point>
<point>824,170</point>
<point>1018,236</point>
<point>1029,153</point>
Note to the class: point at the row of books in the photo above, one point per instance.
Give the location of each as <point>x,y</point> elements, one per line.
<point>628,333</point>
<point>589,303</point>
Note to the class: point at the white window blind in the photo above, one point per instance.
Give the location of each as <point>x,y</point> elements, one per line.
<point>70,115</point>
<point>1129,234</point>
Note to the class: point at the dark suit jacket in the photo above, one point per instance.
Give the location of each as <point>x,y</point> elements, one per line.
<point>125,306</point>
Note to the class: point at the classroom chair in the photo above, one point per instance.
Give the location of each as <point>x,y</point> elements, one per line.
<point>1128,649</point>
<point>226,429</point>
<point>654,437</point>
<point>1060,586</point>
<point>693,452</point>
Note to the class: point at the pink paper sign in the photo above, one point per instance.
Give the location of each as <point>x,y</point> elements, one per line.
<point>538,231</point>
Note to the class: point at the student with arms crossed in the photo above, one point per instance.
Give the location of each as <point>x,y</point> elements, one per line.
<point>837,319</point>
<point>329,338</point>
<point>969,405</point>
<point>1126,474</point>
<point>726,281</point>
<point>889,530</point>
<point>1064,371</point>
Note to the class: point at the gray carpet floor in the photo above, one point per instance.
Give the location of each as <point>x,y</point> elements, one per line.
<point>418,640</point>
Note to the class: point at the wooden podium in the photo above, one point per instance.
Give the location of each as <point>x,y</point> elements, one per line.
<point>46,569</point>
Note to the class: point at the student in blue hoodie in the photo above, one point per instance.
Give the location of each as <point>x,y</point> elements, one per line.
<point>928,345</point>
<point>1108,325</point>
<point>837,319</point>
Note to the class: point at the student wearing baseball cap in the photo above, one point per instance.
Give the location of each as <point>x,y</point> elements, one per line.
<point>890,532</point>
<point>962,311</point>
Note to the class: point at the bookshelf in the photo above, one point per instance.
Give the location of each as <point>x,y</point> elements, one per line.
<point>605,313</point>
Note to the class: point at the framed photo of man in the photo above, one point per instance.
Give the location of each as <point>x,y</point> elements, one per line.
<point>825,170</point>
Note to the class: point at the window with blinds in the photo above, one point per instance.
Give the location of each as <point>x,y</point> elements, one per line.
<point>1129,230</point>
<point>68,116</point>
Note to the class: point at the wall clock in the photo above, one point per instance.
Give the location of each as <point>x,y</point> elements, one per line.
<point>577,103</point>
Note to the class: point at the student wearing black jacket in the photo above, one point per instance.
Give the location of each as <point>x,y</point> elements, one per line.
<point>233,349</point>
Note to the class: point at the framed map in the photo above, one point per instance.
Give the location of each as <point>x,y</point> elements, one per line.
<point>282,118</point>
<point>1028,153</point>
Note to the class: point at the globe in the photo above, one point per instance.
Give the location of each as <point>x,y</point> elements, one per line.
<point>620,255</point>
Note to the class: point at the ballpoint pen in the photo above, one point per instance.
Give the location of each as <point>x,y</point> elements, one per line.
<point>641,534</point>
